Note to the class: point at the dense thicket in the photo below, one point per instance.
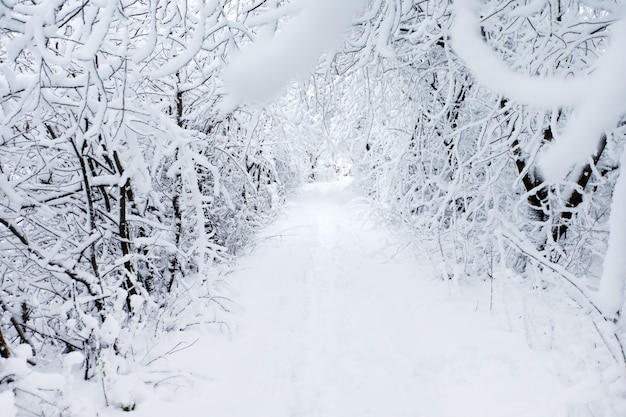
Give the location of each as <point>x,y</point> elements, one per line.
<point>460,138</point>
<point>120,183</point>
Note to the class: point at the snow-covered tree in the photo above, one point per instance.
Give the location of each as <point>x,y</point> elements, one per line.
<point>122,181</point>
<point>494,130</point>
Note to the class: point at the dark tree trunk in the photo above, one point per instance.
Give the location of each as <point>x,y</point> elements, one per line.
<point>4,347</point>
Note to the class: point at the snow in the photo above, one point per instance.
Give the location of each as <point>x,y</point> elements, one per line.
<point>598,99</point>
<point>125,392</point>
<point>493,73</point>
<point>13,199</point>
<point>611,294</point>
<point>71,361</point>
<point>192,46</point>
<point>263,69</point>
<point>110,330</point>
<point>7,404</point>
<point>136,302</point>
<point>98,33</point>
<point>337,317</point>
<point>603,105</point>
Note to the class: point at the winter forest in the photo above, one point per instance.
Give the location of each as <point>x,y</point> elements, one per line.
<point>145,143</point>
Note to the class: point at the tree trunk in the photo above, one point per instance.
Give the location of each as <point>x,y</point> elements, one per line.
<point>4,347</point>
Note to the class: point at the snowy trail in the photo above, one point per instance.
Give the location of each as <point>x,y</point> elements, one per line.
<point>339,321</point>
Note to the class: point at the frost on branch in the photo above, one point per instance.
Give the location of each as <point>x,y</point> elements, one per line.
<point>120,187</point>
<point>598,99</point>
<point>494,131</point>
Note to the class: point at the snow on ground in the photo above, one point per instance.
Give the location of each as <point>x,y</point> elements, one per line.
<point>336,318</point>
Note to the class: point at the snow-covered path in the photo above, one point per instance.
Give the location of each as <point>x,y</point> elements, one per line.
<point>337,320</point>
